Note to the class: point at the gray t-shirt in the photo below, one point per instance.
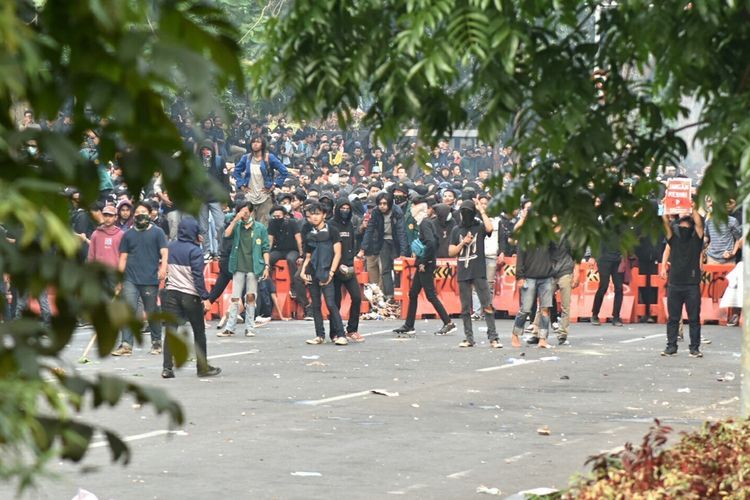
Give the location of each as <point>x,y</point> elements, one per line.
<point>256,195</point>
<point>387,227</point>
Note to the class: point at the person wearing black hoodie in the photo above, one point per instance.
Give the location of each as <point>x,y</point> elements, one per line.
<point>534,276</point>
<point>185,296</point>
<point>467,243</point>
<point>385,236</point>
<point>216,168</point>
<point>444,225</point>
<point>424,277</point>
<point>346,276</point>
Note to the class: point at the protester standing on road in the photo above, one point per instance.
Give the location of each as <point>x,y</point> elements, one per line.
<point>104,246</point>
<point>345,276</point>
<point>216,168</point>
<point>185,295</point>
<point>248,262</point>
<point>467,243</point>
<point>143,260</point>
<point>609,263</point>
<point>322,258</point>
<point>685,241</point>
<point>256,173</point>
<point>424,277</point>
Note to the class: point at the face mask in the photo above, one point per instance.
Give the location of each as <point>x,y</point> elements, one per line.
<point>346,215</point>
<point>467,218</point>
<point>142,221</point>
<point>685,232</point>
<point>288,208</point>
<point>400,199</point>
<point>32,150</point>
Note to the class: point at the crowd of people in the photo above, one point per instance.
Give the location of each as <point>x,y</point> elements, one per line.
<point>319,199</point>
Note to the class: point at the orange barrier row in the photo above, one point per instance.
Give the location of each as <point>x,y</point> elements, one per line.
<point>506,296</point>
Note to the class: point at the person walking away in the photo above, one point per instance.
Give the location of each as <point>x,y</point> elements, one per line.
<point>685,241</point>
<point>186,297</point>
<point>143,260</point>
<point>345,276</point>
<point>256,174</point>
<point>467,243</point>
<point>608,263</point>
<point>424,277</point>
<point>248,261</point>
<point>322,258</point>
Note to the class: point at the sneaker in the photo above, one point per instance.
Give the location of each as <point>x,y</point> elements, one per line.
<point>706,341</point>
<point>616,322</point>
<point>466,343</point>
<point>696,354</point>
<point>155,348</point>
<point>404,330</point>
<point>555,326</point>
<point>669,351</point>
<point>167,373</point>
<point>249,333</point>
<point>734,320</point>
<point>212,371</point>
<point>595,321</point>
<point>446,329</point>
<point>532,340</point>
<point>262,320</point>
<point>123,350</point>
<point>308,314</point>
<point>562,340</point>
<point>340,341</point>
<point>225,333</point>
<point>316,341</point>
<point>355,337</point>
<point>495,344</point>
<point>477,316</point>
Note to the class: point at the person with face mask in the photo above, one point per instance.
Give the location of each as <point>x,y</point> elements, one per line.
<point>249,261</point>
<point>685,242</point>
<point>444,225</point>
<point>467,243</point>
<point>385,237</point>
<point>216,168</point>
<point>424,277</point>
<point>143,261</point>
<point>401,199</point>
<point>345,276</point>
<point>286,243</point>
<point>185,296</point>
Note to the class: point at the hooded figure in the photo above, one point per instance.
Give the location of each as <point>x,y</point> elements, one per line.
<point>468,213</point>
<point>343,222</point>
<point>444,225</point>
<point>124,217</point>
<point>184,294</point>
<point>326,199</point>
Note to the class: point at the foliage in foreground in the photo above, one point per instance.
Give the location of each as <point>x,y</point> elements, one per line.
<point>110,66</point>
<point>713,462</point>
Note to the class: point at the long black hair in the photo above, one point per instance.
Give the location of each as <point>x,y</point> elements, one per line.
<point>263,144</point>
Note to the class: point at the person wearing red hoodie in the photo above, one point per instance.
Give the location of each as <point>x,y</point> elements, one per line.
<point>104,246</point>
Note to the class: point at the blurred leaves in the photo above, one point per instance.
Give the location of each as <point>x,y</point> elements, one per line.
<point>112,67</point>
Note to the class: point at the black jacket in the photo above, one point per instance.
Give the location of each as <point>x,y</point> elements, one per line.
<point>534,263</point>
<point>428,236</point>
<point>443,228</point>
<point>217,170</point>
<point>373,240</point>
<point>346,232</point>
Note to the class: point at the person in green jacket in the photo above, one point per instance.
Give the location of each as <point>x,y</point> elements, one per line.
<point>248,263</point>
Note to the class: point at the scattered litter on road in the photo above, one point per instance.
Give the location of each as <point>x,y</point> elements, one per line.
<point>85,495</point>
<point>727,377</point>
<point>276,375</point>
<point>306,474</point>
<point>543,431</point>
<point>383,392</point>
<point>736,354</point>
<point>684,389</point>
<point>414,405</point>
<point>136,406</point>
<point>564,377</point>
<point>314,356</point>
<point>549,358</point>
<point>489,491</point>
<point>316,363</point>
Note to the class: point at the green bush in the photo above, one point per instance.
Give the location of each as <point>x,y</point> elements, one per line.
<point>713,462</point>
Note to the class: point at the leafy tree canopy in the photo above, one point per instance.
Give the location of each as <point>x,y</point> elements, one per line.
<point>110,66</point>
<point>594,91</point>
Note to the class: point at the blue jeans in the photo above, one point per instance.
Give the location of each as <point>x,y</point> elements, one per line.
<point>148,294</point>
<point>211,235</point>
<point>533,288</point>
<point>22,303</point>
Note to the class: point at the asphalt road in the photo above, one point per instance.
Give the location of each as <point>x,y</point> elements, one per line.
<point>291,421</point>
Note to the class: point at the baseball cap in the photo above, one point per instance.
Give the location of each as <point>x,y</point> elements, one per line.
<point>109,210</point>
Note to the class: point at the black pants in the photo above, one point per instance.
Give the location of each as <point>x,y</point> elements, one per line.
<point>318,293</point>
<point>185,307</point>
<point>352,288</point>
<point>297,285</point>
<point>424,280</point>
<point>221,282</point>
<point>607,269</point>
<point>690,296</point>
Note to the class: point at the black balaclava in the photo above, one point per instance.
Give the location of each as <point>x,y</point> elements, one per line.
<point>468,213</point>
